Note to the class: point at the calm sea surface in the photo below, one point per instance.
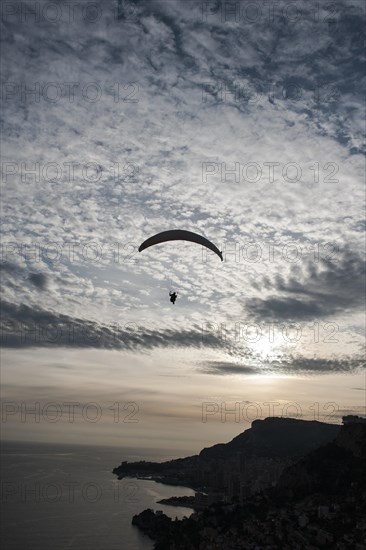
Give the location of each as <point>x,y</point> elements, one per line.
<point>65,496</point>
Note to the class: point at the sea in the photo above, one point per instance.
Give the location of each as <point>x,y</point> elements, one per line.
<point>58,496</point>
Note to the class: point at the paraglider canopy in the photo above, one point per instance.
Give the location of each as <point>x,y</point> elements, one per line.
<point>180,235</point>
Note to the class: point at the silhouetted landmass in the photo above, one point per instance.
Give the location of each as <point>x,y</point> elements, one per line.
<point>275,437</point>
<point>318,502</point>
<point>251,461</point>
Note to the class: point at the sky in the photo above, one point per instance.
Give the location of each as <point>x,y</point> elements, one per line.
<point>241,121</point>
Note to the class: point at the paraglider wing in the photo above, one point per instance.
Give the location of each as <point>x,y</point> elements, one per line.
<point>180,235</point>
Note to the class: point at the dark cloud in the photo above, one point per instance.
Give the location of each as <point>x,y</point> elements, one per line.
<point>284,308</point>
<point>290,365</point>
<point>311,365</point>
<point>334,287</point>
<point>8,267</point>
<point>24,326</point>
<point>13,274</point>
<point>39,280</point>
<point>222,367</point>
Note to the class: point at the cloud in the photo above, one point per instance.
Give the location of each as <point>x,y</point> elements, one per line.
<point>23,326</point>
<point>8,267</point>
<point>225,368</point>
<point>336,365</point>
<point>289,365</point>
<point>15,276</point>
<point>39,280</point>
<point>315,293</point>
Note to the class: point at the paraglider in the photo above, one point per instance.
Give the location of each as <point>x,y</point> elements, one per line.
<point>173,297</point>
<point>179,235</point>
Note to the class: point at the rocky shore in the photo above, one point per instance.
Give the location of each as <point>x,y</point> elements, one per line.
<point>319,502</point>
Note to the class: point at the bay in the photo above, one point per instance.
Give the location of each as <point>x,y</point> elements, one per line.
<point>66,497</point>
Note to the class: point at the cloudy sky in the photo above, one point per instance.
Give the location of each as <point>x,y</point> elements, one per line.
<point>242,121</point>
